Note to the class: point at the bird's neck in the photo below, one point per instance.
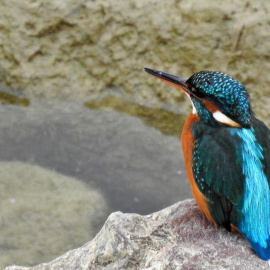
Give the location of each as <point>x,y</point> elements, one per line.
<point>204,113</point>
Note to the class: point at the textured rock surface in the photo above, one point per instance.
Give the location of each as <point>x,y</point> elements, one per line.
<point>82,48</point>
<point>178,237</point>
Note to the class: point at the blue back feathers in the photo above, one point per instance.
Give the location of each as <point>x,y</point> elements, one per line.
<point>255,211</point>
<point>229,169</point>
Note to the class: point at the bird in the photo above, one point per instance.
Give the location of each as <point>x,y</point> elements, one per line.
<point>227,155</point>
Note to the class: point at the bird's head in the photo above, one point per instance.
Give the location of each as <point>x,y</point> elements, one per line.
<point>217,98</point>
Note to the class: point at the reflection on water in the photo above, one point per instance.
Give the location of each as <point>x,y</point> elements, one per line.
<point>135,166</point>
<point>7,98</point>
<point>169,123</point>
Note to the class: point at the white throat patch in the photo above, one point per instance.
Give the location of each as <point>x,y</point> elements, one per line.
<point>194,111</point>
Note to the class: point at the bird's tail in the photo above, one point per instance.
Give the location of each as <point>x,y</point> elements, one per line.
<point>262,252</point>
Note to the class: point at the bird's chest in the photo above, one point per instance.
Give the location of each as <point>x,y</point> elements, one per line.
<point>187,140</point>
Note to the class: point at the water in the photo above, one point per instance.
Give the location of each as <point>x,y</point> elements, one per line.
<point>116,149</point>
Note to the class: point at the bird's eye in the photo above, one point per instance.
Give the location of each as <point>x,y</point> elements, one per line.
<point>196,91</point>
<point>192,89</point>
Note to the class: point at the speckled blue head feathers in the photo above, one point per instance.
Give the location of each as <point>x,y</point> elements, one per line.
<point>227,93</point>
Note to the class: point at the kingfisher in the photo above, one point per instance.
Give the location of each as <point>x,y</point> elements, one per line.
<point>227,155</point>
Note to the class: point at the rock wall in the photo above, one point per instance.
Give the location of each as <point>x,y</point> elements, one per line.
<point>178,237</point>
<point>84,48</point>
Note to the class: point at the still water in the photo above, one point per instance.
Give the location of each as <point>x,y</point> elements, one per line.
<point>64,166</point>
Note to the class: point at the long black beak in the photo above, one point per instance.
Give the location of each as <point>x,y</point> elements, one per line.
<point>177,81</point>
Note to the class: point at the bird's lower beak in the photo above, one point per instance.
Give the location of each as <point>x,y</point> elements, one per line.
<point>177,81</point>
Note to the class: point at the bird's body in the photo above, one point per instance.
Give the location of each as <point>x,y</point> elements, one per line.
<point>227,155</point>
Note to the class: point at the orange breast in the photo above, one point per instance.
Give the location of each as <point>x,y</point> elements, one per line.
<point>187,145</point>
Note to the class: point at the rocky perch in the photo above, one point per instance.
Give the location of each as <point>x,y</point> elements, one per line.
<point>178,237</point>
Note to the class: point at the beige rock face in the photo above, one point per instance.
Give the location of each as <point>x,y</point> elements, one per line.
<point>83,48</point>
<point>178,237</point>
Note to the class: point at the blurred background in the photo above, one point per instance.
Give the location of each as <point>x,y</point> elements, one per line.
<point>84,131</point>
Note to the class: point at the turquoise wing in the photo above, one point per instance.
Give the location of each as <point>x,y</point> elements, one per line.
<point>231,168</point>
<point>218,172</point>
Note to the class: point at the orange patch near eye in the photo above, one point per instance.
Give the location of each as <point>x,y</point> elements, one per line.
<point>218,115</point>
<point>210,105</point>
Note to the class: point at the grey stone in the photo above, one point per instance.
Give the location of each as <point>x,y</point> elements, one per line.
<point>178,237</point>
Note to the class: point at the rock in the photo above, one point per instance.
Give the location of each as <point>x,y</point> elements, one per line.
<point>44,213</point>
<point>178,237</point>
<point>85,49</point>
